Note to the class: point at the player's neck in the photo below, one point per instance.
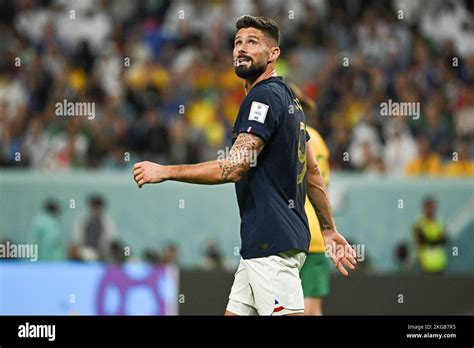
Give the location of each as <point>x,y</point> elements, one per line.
<point>266,75</point>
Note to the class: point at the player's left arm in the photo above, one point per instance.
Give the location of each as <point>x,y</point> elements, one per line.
<point>242,156</point>
<point>336,245</point>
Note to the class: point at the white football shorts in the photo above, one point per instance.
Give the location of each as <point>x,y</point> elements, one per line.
<point>268,285</point>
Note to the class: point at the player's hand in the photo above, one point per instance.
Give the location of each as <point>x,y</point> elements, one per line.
<point>148,173</point>
<point>339,251</point>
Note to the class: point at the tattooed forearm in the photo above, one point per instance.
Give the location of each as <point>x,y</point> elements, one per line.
<point>317,194</point>
<point>229,167</point>
<point>241,157</point>
<point>319,199</point>
<point>324,223</point>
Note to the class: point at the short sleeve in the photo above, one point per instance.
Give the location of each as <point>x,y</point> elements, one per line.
<point>260,112</point>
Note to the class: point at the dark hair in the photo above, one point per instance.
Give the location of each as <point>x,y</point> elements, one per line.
<point>96,200</point>
<point>307,103</point>
<point>429,200</point>
<point>51,206</point>
<point>266,25</point>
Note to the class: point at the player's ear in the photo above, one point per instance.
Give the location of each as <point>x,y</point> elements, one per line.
<point>274,54</point>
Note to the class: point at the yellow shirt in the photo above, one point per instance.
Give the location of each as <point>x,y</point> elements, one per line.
<point>461,168</point>
<point>427,166</point>
<point>321,152</point>
<point>432,254</point>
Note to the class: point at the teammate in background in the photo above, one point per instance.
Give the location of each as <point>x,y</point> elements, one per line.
<point>271,192</point>
<point>315,272</point>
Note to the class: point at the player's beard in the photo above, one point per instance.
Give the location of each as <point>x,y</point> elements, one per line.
<point>252,72</point>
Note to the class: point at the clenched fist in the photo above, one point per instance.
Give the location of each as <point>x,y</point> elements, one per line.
<point>148,173</point>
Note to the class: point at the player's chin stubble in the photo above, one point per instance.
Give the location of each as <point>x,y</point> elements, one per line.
<point>250,73</point>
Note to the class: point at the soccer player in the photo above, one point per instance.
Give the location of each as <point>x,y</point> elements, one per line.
<point>272,169</point>
<point>315,272</point>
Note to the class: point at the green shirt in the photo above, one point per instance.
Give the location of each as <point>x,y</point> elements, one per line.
<point>46,233</point>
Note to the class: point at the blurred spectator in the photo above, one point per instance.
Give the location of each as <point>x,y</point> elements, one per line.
<point>170,255</point>
<point>212,257</point>
<point>365,148</point>
<point>426,162</point>
<point>464,116</point>
<point>70,146</point>
<point>460,165</point>
<point>37,145</point>
<point>339,143</point>
<point>402,257</point>
<point>153,137</point>
<point>117,252</point>
<point>95,232</point>
<point>369,162</point>
<point>399,150</point>
<point>430,238</point>
<point>46,233</point>
<point>436,129</point>
<point>151,256</point>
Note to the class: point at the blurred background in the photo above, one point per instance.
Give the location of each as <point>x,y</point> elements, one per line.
<point>157,82</point>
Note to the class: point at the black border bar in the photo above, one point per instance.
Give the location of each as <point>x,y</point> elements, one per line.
<point>137,331</point>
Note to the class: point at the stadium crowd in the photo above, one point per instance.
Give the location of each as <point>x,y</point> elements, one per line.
<point>160,77</point>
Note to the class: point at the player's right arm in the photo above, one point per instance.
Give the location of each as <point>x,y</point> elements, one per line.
<point>336,245</point>
<point>242,156</point>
